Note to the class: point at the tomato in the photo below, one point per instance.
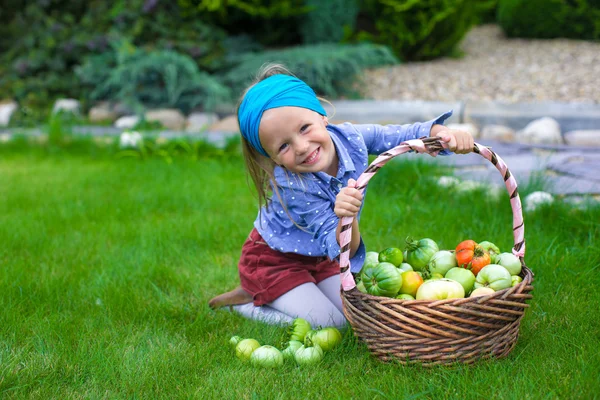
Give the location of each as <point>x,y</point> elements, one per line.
<point>492,249</point>
<point>515,280</point>
<point>405,267</point>
<point>245,348</point>
<point>298,329</point>
<point>510,262</point>
<point>441,262</point>
<point>405,297</point>
<point>410,283</point>
<point>392,255</point>
<point>291,348</point>
<point>472,256</point>
<point>440,289</point>
<point>361,287</point>
<point>267,357</point>
<point>419,252</point>
<point>326,338</point>
<point>383,280</point>
<point>494,276</point>
<point>308,354</point>
<point>234,341</point>
<point>463,276</point>
<point>482,291</point>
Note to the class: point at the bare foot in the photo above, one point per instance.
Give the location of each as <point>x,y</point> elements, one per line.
<point>236,296</point>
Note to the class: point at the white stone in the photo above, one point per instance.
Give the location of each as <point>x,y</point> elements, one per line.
<point>170,118</point>
<point>197,122</point>
<point>541,131</point>
<point>536,199</point>
<point>131,139</point>
<point>448,181</point>
<point>470,128</point>
<point>6,111</point>
<point>127,122</point>
<point>583,138</point>
<point>101,113</point>
<point>499,133</point>
<point>66,105</point>
<point>227,124</point>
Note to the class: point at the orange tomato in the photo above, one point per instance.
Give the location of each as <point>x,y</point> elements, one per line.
<point>471,256</point>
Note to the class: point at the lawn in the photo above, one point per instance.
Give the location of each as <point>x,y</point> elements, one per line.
<point>106,267</point>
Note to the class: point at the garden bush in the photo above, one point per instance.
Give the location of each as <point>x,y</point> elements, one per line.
<point>159,78</point>
<point>328,68</point>
<point>419,29</point>
<point>329,21</point>
<point>544,19</point>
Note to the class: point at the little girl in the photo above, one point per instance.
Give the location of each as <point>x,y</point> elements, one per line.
<point>305,170</point>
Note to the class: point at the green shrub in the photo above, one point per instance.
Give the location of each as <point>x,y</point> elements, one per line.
<point>418,29</point>
<point>328,68</point>
<point>270,22</point>
<point>149,79</point>
<point>329,21</point>
<point>576,19</point>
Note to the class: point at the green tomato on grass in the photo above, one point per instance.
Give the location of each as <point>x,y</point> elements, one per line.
<point>266,357</point>
<point>245,348</point>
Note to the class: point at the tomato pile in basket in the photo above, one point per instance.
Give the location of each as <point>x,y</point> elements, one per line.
<point>424,272</point>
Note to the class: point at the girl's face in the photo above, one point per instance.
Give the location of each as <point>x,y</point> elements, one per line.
<point>296,139</point>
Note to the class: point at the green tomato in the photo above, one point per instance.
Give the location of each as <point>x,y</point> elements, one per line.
<point>290,350</point>
<point>419,252</point>
<point>441,262</point>
<point>267,357</point>
<point>298,329</point>
<point>405,267</point>
<point>234,341</point>
<point>510,262</point>
<point>326,338</point>
<point>383,280</point>
<point>440,289</point>
<point>392,255</point>
<point>361,287</point>
<point>492,249</point>
<point>515,280</point>
<point>245,348</point>
<point>405,296</point>
<point>494,276</point>
<point>463,276</point>
<point>371,258</point>
<point>308,355</point>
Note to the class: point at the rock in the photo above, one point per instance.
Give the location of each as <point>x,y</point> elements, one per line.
<point>170,118</point>
<point>541,131</point>
<point>130,140</point>
<point>499,133</point>
<point>468,127</point>
<point>583,138</point>
<point>102,113</point>
<point>227,124</point>
<point>127,122</point>
<point>198,121</point>
<point>6,111</point>
<point>536,199</point>
<point>66,105</point>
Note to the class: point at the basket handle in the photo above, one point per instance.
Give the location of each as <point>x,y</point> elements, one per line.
<point>431,146</point>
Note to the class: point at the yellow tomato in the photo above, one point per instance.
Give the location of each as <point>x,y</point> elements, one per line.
<point>410,282</point>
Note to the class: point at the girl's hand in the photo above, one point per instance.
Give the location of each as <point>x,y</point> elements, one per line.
<point>459,142</point>
<point>348,201</point>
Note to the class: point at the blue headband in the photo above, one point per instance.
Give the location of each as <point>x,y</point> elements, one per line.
<point>276,91</point>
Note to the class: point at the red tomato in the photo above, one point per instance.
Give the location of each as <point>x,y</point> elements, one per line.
<point>471,256</point>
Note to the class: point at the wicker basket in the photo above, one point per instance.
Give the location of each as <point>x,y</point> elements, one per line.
<point>438,332</point>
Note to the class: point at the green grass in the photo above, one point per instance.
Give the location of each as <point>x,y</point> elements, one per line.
<point>106,267</point>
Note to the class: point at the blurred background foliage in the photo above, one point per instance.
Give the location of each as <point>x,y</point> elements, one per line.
<point>197,54</point>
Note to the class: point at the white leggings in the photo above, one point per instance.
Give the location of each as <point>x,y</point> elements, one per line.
<point>320,305</point>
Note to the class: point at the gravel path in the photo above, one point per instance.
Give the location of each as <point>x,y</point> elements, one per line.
<point>495,68</point>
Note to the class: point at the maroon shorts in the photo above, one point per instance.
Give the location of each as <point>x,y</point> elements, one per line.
<point>267,274</point>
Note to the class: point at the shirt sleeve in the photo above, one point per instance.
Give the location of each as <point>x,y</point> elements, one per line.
<point>379,138</point>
